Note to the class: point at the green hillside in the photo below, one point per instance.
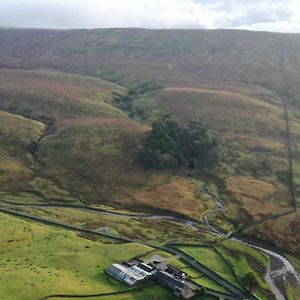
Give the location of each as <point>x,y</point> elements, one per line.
<point>76,106</point>
<point>86,150</point>
<point>232,81</point>
<point>39,261</point>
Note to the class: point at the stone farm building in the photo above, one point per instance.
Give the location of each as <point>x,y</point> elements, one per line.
<point>135,271</point>
<point>129,275</point>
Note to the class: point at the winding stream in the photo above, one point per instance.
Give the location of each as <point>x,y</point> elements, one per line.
<point>279,270</point>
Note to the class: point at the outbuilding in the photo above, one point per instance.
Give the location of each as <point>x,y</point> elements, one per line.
<point>130,276</point>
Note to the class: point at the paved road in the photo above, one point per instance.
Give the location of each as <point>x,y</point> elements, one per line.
<point>237,292</point>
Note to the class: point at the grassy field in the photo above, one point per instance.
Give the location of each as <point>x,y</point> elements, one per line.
<point>232,260</point>
<point>190,271</point>
<point>245,259</point>
<point>37,260</point>
<point>209,257</point>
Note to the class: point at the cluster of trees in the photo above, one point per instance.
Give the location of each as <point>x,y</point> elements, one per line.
<point>170,145</point>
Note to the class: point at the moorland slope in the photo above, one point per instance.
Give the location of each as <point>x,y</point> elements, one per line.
<point>239,83</point>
